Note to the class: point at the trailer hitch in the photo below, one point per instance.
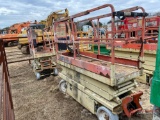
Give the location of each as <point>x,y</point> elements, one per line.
<point>131,105</point>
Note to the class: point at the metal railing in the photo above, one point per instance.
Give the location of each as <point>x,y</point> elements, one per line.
<point>6,103</point>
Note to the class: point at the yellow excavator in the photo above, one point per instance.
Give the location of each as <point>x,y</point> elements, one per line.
<point>60,14</point>
<point>23,40</point>
<point>39,29</point>
<point>54,16</point>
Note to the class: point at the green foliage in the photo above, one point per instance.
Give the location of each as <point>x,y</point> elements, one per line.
<point>89,23</point>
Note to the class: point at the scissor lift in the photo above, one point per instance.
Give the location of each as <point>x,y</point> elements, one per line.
<point>43,55</point>
<point>103,84</point>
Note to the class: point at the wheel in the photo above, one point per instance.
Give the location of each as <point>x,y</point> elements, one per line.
<point>38,75</point>
<point>63,86</point>
<point>19,46</point>
<point>156,113</point>
<point>105,114</point>
<point>32,65</point>
<point>55,71</point>
<point>25,50</point>
<point>10,44</point>
<point>150,81</point>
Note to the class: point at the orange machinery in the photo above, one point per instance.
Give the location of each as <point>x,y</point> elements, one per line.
<point>11,37</point>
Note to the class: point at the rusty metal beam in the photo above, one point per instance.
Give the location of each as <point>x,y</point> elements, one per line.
<point>1,90</point>
<point>86,12</point>
<point>109,14</point>
<point>20,60</point>
<point>108,58</point>
<point>105,71</point>
<point>6,105</point>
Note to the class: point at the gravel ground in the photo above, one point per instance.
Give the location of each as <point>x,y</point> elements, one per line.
<point>41,100</point>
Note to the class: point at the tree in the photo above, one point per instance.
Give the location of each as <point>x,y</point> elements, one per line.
<point>89,23</point>
<point>95,23</point>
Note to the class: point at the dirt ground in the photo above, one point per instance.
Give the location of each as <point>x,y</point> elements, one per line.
<point>41,100</point>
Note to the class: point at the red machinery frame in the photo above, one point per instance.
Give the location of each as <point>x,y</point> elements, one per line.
<point>151,37</point>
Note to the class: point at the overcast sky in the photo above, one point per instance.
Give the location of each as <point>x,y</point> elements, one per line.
<point>14,11</point>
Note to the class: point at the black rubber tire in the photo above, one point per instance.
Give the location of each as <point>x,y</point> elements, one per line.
<point>150,81</point>
<point>63,86</point>
<point>25,49</point>
<point>102,112</point>
<point>55,71</point>
<point>9,44</point>
<point>156,113</point>
<point>38,75</point>
<point>19,46</point>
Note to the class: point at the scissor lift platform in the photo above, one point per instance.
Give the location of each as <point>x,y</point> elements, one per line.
<point>123,72</point>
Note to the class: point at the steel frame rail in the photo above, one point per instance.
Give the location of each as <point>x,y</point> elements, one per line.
<point>6,103</point>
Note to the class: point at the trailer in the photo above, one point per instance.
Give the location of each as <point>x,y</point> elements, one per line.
<point>102,84</point>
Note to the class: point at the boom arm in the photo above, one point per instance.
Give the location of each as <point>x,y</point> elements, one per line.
<point>56,16</point>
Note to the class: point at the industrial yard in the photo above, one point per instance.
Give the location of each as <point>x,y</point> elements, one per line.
<point>41,99</point>
<point>83,62</point>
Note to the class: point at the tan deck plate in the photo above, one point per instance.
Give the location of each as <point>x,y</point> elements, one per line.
<point>120,70</point>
